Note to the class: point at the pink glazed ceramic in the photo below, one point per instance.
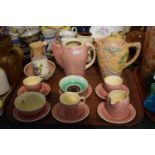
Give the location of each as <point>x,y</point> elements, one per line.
<point>72,56</point>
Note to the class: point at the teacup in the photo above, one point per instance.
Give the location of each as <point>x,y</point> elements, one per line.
<point>32,83</point>
<point>113,82</point>
<point>70,102</point>
<point>30,103</point>
<point>73,83</point>
<point>118,104</point>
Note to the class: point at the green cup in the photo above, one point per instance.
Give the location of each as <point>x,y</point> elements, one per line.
<point>152,89</point>
<point>73,83</point>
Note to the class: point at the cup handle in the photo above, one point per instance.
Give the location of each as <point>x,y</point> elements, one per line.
<point>82,100</point>
<point>138,48</point>
<point>92,49</point>
<point>74,29</point>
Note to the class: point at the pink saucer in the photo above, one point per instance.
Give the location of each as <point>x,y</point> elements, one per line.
<point>86,94</point>
<point>102,93</point>
<point>28,70</point>
<point>103,113</point>
<point>45,89</point>
<point>60,116</point>
<point>22,118</point>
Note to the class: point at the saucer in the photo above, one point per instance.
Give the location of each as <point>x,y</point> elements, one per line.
<point>45,89</point>
<point>86,94</point>
<point>100,91</point>
<point>22,118</point>
<point>103,113</point>
<point>28,70</point>
<point>81,114</point>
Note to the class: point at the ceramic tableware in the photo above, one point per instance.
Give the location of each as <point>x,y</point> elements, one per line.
<point>85,37</point>
<point>73,83</point>
<point>49,36</point>
<point>30,103</point>
<point>33,118</point>
<point>113,82</point>
<point>102,92</point>
<point>149,103</point>
<point>73,56</point>
<point>71,109</point>
<point>40,66</point>
<point>70,102</point>
<point>86,93</point>
<point>104,114</point>
<point>37,48</point>
<point>68,33</point>
<point>29,71</point>
<point>118,103</point>
<point>32,83</point>
<point>112,54</point>
<point>45,89</point>
<point>4,83</point>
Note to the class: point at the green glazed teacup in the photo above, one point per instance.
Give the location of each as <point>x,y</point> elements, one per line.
<point>73,83</point>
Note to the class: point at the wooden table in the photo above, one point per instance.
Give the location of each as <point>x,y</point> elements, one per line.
<point>94,78</point>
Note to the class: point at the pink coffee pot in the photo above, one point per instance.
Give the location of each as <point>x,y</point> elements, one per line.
<point>73,56</point>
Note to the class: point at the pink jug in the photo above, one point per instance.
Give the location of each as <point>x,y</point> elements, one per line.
<point>73,56</point>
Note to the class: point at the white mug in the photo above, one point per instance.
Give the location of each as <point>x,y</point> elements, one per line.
<point>4,83</point>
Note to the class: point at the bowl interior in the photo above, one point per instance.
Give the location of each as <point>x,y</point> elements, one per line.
<point>73,83</point>
<point>32,80</point>
<point>113,80</point>
<point>29,101</point>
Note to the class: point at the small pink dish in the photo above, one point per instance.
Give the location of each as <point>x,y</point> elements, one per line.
<point>104,114</point>
<point>81,114</point>
<point>27,119</point>
<point>102,92</point>
<point>86,93</point>
<point>28,70</point>
<point>45,89</point>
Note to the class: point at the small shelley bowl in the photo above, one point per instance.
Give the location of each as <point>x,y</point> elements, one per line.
<point>149,103</point>
<point>32,83</point>
<point>113,82</point>
<point>73,83</point>
<point>30,103</point>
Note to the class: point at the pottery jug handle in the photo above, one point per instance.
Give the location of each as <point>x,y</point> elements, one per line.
<point>18,51</point>
<point>138,48</point>
<point>74,29</point>
<point>91,51</point>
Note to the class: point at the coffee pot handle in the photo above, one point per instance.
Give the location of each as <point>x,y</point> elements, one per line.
<point>17,50</point>
<point>138,48</point>
<point>91,51</point>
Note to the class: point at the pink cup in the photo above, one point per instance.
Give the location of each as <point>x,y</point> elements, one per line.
<point>33,83</point>
<point>71,108</point>
<point>113,82</point>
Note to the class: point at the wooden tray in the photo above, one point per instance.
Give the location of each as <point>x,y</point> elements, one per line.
<point>94,78</point>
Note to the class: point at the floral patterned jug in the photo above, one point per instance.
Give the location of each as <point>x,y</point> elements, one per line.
<point>113,53</point>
